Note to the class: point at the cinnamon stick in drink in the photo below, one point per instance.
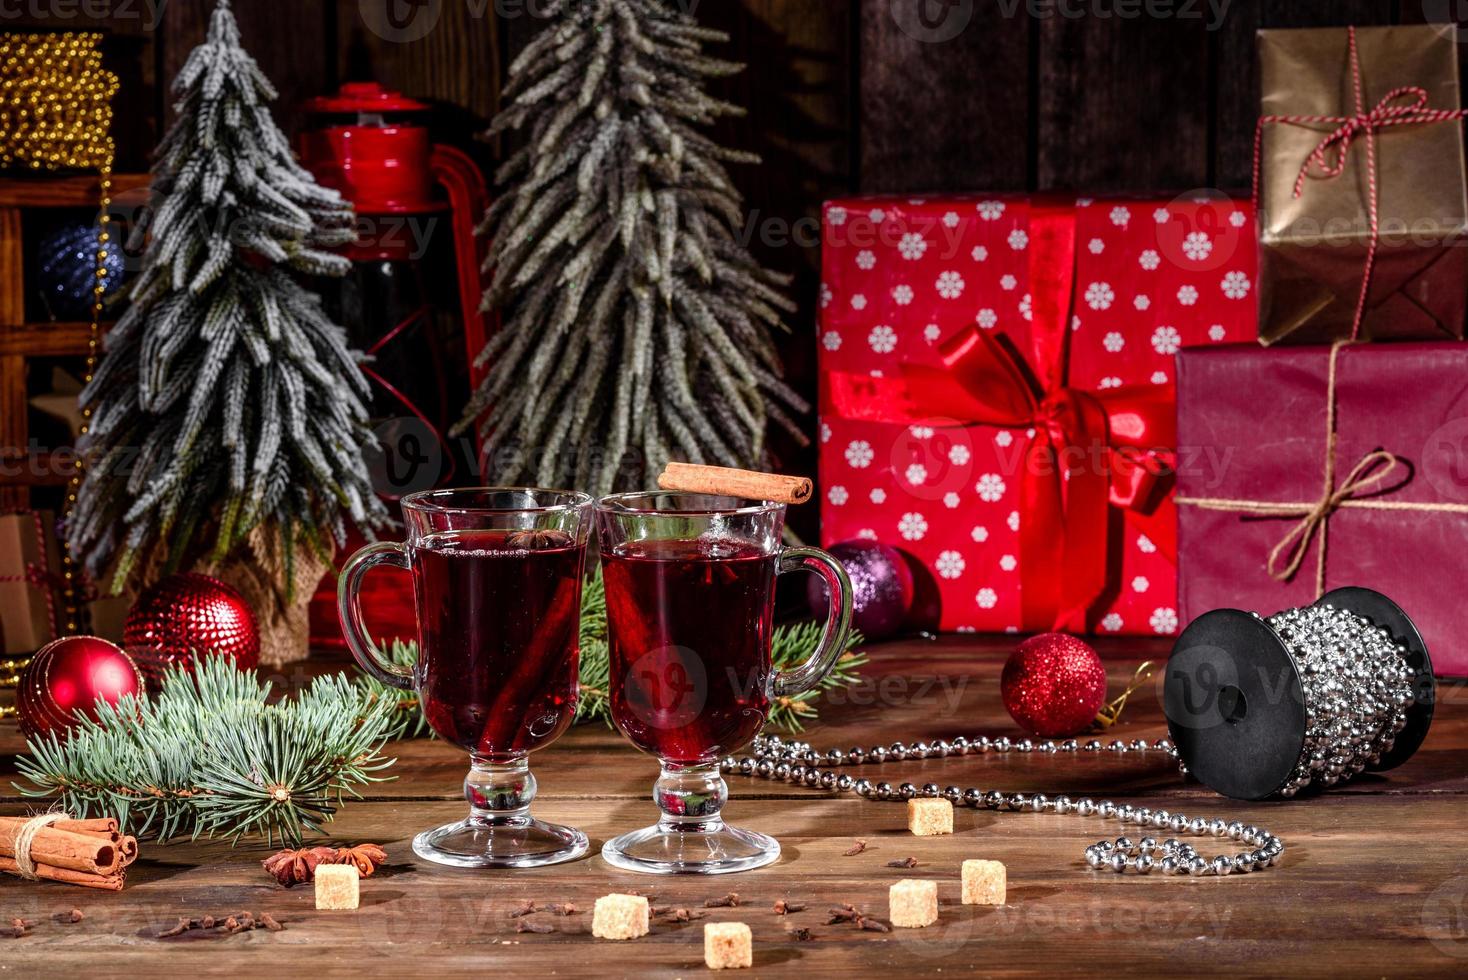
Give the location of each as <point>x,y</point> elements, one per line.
<point>729,482</point>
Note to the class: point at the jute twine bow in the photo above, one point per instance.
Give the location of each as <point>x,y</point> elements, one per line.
<point>26,837</point>
<point>1362,122</point>
<point>1368,476</point>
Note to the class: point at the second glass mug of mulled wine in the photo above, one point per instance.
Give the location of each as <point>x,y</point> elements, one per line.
<point>497,576</point>
<point>690,586</point>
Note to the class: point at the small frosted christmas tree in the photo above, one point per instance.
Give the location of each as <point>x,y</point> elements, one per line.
<point>637,325</point>
<point>227,405</point>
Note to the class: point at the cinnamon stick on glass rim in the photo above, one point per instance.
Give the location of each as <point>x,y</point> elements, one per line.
<point>726,481</point>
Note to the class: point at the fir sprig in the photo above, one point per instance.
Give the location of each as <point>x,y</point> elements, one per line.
<point>406,716</point>
<point>211,756</point>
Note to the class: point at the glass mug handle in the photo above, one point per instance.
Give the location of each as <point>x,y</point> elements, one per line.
<point>788,683</point>
<point>349,609</point>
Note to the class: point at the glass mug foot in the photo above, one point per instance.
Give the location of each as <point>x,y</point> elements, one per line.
<point>499,831</point>
<point>691,838</point>
<point>523,842</point>
<point>663,850</point>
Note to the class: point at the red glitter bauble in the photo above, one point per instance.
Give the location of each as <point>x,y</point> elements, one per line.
<point>1053,685</point>
<point>65,678</point>
<point>187,616</point>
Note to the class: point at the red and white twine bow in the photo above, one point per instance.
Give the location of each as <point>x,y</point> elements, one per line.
<point>1390,111</point>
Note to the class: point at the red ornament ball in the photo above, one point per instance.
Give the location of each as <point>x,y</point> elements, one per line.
<point>186,616</point>
<point>1053,685</point>
<point>65,678</point>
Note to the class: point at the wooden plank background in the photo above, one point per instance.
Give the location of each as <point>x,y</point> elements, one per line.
<point>843,96</point>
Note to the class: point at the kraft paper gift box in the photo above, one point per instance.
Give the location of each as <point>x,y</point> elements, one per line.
<point>1335,144</point>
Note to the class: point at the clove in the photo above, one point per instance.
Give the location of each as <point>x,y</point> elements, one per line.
<point>729,901</point>
<point>857,848</point>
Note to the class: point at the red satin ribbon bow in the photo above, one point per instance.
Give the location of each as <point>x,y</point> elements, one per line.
<point>1089,451</point>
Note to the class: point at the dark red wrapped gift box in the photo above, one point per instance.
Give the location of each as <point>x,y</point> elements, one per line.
<point>1273,510</point>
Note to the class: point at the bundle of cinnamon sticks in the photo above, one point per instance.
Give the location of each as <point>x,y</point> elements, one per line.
<point>90,853</point>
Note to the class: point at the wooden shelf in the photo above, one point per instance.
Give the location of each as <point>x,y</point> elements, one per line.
<point>80,191</point>
<point>47,338</point>
<point>21,340</point>
<point>38,469</point>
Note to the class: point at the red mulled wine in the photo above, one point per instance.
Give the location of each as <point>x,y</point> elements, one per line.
<point>497,637</point>
<point>690,626</point>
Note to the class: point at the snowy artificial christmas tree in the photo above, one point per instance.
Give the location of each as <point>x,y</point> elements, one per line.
<point>228,415</point>
<point>636,324</point>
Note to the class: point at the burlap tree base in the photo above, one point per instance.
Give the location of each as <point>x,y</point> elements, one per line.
<point>257,568</point>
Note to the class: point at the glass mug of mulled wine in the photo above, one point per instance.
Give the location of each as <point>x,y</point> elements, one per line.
<point>497,575</point>
<point>690,587</point>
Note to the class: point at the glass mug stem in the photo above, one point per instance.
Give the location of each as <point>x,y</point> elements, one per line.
<point>499,793</point>
<point>691,798</point>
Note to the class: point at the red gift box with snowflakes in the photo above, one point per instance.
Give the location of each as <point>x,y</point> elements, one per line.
<point>997,394</point>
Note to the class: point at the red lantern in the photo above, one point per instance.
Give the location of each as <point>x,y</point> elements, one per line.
<point>186,616</point>
<point>417,204</point>
<point>65,679</point>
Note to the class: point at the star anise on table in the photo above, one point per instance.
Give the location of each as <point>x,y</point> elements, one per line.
<point>294,867</point>
<point>367,857</point>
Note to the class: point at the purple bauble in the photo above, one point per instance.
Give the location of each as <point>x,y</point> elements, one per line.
<point>881,587</point>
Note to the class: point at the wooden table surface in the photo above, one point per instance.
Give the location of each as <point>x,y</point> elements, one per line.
<point>1374,880</point>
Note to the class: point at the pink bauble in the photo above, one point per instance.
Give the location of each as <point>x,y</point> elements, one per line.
<point>881,587</point>
<point>1053,685</point>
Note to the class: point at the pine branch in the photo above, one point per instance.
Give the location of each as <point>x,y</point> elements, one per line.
<point>210,756</point>
<point>406,717</point>
<point>636,323</point>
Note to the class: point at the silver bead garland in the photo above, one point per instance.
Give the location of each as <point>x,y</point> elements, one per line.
<point>1357,687</point>
<point>798,762</point>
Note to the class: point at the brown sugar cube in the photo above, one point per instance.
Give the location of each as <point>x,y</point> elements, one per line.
<point>619,917</point>
<point>983,882</point>
<point>337,886</point>
<point>929,816</point>
<point>913,903</point>
<point>727,946</point>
